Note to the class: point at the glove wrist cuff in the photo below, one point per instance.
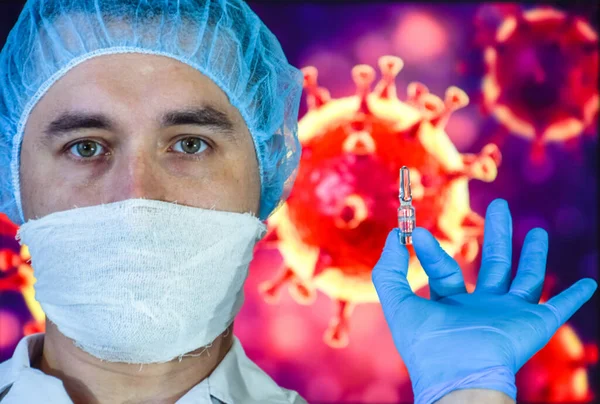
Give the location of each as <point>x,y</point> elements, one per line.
<point>499,378</point>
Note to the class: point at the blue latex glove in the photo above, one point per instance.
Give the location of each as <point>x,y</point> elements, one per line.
<point>459,340</point>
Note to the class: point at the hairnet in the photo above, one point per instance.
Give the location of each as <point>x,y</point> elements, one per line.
<point>223,39</point>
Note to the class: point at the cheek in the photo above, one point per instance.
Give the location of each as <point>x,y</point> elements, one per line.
<point>34,195</point>
<point>42,193</point>
<point>241,186</point>
<point>31,178</point>
<point>44,187</point>
<point>249,182</point>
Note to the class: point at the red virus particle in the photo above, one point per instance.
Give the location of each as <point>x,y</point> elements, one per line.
<point>16,275</point>
<point>34,327</point>
<point>541,79</point>
<point>7,228</point>
<point>331,230</point>
<point>558,373</point>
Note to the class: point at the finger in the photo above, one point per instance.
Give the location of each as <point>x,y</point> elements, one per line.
<point>529,280</point>
<point>561,307</point>
<point>389,274</point>
<point>496,255</point>
<point>445,276</point>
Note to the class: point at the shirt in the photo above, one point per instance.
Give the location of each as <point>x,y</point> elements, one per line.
<point>236,380</point>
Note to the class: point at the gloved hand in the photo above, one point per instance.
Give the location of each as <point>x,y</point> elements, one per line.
<point>459,340</point>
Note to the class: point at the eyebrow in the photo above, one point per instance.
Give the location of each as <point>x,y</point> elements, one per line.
<point>207,116</point>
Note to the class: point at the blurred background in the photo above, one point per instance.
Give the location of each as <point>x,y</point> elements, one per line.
<point>480,101</point>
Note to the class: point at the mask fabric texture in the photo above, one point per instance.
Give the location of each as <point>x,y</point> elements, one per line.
<point>141,281</point>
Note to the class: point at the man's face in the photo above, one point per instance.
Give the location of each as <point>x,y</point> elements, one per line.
<point>137,126</point>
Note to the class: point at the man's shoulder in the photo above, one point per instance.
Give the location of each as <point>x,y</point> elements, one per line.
<point>7,370</point>
<point>5,366</point>
<point>6,377</point>
<point>20,359</point>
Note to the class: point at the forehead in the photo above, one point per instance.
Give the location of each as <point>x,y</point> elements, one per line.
<point>139,77</point>
<point>66,33</point>
<point>133,88</point>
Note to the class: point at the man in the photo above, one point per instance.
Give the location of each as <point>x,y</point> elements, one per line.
<point>142,144</point>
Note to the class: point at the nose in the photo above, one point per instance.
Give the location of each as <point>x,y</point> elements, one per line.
<point>137,175</point>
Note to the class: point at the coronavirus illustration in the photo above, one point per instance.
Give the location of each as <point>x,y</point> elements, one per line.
<point>17,276</point>
<point>331,230</point>
<point>558,373</point>
<point>541,80</point>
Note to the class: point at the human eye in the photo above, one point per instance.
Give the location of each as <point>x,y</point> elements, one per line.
<point>192,146</point>
<point>86,150</point>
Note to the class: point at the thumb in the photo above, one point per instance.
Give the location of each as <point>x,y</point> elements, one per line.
<point>389,274</point>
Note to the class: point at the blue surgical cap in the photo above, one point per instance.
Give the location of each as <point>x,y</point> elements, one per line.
<point>222,39</point>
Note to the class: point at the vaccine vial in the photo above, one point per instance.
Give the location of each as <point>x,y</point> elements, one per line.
<point>406,212</point>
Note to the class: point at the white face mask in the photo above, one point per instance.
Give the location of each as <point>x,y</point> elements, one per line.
<point>141,281</point>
